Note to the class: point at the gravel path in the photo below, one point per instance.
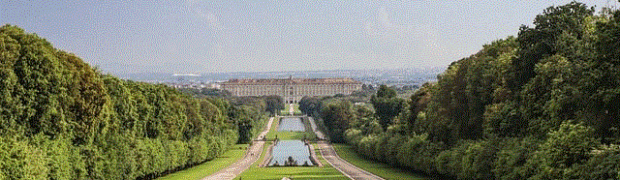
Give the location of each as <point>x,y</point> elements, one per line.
<point>250,157</point>
<point>329,154</point>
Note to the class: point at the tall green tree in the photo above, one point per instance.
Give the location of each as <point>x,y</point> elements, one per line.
<point>387,105</point>
<point>541,41</point>
<point>62,119</point>
<point>310,105</point>
<point>337,116</point>
<point>274,104</point>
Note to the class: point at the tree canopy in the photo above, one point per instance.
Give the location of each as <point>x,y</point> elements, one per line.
<point>62,119</point>
<point>541,105</point>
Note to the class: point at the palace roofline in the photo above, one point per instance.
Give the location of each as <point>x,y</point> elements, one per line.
<point>292,81</point>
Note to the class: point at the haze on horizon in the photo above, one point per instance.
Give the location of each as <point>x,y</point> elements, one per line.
<point>195,36</point>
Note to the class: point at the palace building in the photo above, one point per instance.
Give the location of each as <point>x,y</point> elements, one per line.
<point>291,89</point>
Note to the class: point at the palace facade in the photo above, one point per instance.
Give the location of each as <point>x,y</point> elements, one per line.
<point>291,89</point>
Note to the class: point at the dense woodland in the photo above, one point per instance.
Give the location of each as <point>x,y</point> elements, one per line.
<point>62,119</point>
<point>542,105</point>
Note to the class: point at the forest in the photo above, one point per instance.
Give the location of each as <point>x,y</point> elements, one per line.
<point>60,118</point>
<point>542,105</point>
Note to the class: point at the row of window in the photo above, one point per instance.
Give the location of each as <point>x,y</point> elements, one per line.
<point>302,90</point>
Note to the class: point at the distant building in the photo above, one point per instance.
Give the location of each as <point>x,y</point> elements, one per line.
<point>291,89</point>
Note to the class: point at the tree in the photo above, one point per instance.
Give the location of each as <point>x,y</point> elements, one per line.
<point>62,119</point>
<point>310,105</point>
<point>418,102</point>
<point>541,41</point>
<point>274,104</point>
<point>337,117</point>
<point>387,105</point>
<point>603,85</point>
<point>570,144</point>
<point>243,118</point>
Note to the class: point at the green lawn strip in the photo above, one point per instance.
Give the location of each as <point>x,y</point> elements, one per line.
<point>285,110</point>
<point>210,167</point>
<point>290,135</point>
<point>384,170</point>
<point>273,129</point>
<point>292,172</point>
<point>320,157</point>
<point>262,155</point>
<point>296,110</point>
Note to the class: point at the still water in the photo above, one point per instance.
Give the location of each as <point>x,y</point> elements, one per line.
<point>294,148</point>
<point>291,124</point>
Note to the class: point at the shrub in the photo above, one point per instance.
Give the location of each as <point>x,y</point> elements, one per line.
<point>604,164</point>
<point>22,160</point>
<point>353,136</point>
<point>419,154</point>
<point>512,157</point>
<point>570,145</point>
<point>59,154</point>
<point>478,160</point>
<point>392,148</point>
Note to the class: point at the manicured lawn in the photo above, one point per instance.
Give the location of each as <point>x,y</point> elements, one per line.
<point>273,129</point>
<point>210,167</point>
<point>296,110</point>
<point>290,135</point>
<point>292,172</point>
<point>386,171</point>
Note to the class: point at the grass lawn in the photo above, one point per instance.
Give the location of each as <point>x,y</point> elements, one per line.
<point>386,171</point>
<point>290,135</point>
<point>296,110</point>
<point>210,167</point>
<point>292,172</point>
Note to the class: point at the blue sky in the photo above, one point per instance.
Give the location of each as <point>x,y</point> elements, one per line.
<point>195,36</point>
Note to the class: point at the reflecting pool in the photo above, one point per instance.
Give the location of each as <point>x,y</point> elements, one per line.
<point>293,148</point>
<point>291,124</point>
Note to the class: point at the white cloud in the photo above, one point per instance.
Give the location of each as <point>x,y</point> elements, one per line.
<point>213,21</point>
<point>203,10</point>
<point>404,43</point>
<point>383,27</point>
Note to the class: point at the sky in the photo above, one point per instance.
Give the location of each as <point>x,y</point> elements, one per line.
<point>201,36</point>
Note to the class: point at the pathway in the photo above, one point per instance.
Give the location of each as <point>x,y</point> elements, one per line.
<point>329,154</point>
<point>250,157</point>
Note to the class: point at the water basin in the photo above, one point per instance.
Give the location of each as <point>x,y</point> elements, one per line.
<point>293,148</point>
<point>291,124</point>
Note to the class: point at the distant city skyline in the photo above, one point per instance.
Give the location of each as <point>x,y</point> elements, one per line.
<point>195,36</point>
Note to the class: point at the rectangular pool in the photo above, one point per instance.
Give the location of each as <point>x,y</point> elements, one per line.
<point>290,148</point>
<point>291,124</point>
